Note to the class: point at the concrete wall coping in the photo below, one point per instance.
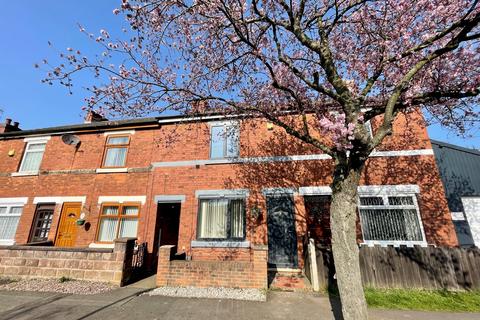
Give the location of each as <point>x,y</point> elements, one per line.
<point>43,248</point>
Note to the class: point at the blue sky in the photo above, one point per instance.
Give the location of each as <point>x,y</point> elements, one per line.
<point>25,28</point>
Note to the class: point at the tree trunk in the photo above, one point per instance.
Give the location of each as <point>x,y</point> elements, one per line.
<point>344,243</point>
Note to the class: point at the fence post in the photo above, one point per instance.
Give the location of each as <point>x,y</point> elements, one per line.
<point>313,265</point>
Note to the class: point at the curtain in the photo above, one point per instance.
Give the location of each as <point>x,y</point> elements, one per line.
<point>108,229</point>
<point>128,228</point>
<point>130,211</point>
<point>115,157</point>
<point>237,212</point>
<point>31,161</point>
<point>212,219</point>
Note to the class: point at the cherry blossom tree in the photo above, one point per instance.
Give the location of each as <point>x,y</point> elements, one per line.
<point>330,64</point>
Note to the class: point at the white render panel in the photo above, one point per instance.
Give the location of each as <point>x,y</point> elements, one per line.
<point>471,206</point>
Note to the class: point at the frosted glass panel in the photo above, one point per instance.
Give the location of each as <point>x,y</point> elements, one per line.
<point>118,140</point>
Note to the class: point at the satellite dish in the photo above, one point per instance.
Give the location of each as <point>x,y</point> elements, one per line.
<point>71,140</point>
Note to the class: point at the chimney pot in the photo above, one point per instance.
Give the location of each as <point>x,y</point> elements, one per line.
<point>15,124</point>
<point>8,121</point>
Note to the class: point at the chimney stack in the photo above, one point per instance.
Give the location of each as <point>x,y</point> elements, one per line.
<point>93,116</point>
<point>8,127</point>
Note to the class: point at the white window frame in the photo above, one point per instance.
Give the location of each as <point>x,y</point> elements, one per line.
<point>386,205</point>
<point>225,124</point>
<point>10,203</point>
<point>29,142</point>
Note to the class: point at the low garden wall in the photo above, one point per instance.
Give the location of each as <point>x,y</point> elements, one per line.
<point>208,273</point>
<point>109,265</point>
<point>407,267</point>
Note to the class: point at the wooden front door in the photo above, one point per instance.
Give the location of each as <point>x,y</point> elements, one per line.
<point>67,229</point>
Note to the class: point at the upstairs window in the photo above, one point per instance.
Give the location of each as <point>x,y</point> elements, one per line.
<point>224,140</point>
<point>390,218</point>
<point>118,221</point>
<point>32,157</point>
<point>116,151</point>
<point>221,219</point>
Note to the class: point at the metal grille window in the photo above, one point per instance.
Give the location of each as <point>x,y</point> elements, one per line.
<point>42,222</point>
<point>32,158</point>
<point>9,217</point>
<point>390,219</point>
<point>221,219</point>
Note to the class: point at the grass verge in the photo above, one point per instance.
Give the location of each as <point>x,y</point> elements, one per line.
<point>400,299</point>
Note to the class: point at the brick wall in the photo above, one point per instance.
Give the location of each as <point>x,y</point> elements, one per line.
<point>204,273</point>
<point>66,171</point>
<point>106,265</point>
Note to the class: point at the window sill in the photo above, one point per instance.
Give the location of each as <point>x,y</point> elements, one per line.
<point>7,242</point>
<point>394,243</point>
<point>220,244</point>
<point>101,245</point>
<point>25,174</point>
<point>112,170</point>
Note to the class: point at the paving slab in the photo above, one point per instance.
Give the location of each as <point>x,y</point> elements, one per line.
<point>129,303</point>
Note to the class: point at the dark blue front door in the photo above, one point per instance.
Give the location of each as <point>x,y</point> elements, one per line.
<point>282,236</point>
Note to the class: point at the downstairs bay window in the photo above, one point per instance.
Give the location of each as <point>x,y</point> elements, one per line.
<point>221,219</point>
<point>118,221</point>
<point>391,219</point>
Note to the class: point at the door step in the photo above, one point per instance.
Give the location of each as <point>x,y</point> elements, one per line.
<point>288,281</point>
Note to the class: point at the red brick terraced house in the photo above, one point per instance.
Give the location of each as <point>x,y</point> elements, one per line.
<point>214,187</point>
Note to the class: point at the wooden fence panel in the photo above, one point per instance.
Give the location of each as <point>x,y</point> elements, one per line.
<point>405,267</point>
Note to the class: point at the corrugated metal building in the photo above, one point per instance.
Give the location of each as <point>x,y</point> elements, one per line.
<point>460,171</point>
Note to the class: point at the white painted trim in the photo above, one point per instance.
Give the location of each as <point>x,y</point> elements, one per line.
<point>371,243</point>
<point>403,153</point>
<point>169,198</point>
<point>7,242</point>
<point>112,170</point>
<point>278,191</point>
<point>109,133</point>
<point>458,216</point>
<point>61,199</point>
<point>388,189</point>
<point>101,245</point>
<point>122,199</point>
<point>197,118</point>
<point>19,200</point>
<point>220,244</point>
<point>222,193</point>
<point>224,123</point>
<point>307,157</point>
<point>311,191</point>
<point>24,174</point>
<point>286,270</point>
<point>37,139</point>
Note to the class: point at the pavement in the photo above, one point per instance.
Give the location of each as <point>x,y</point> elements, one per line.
<point>129,303</point>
